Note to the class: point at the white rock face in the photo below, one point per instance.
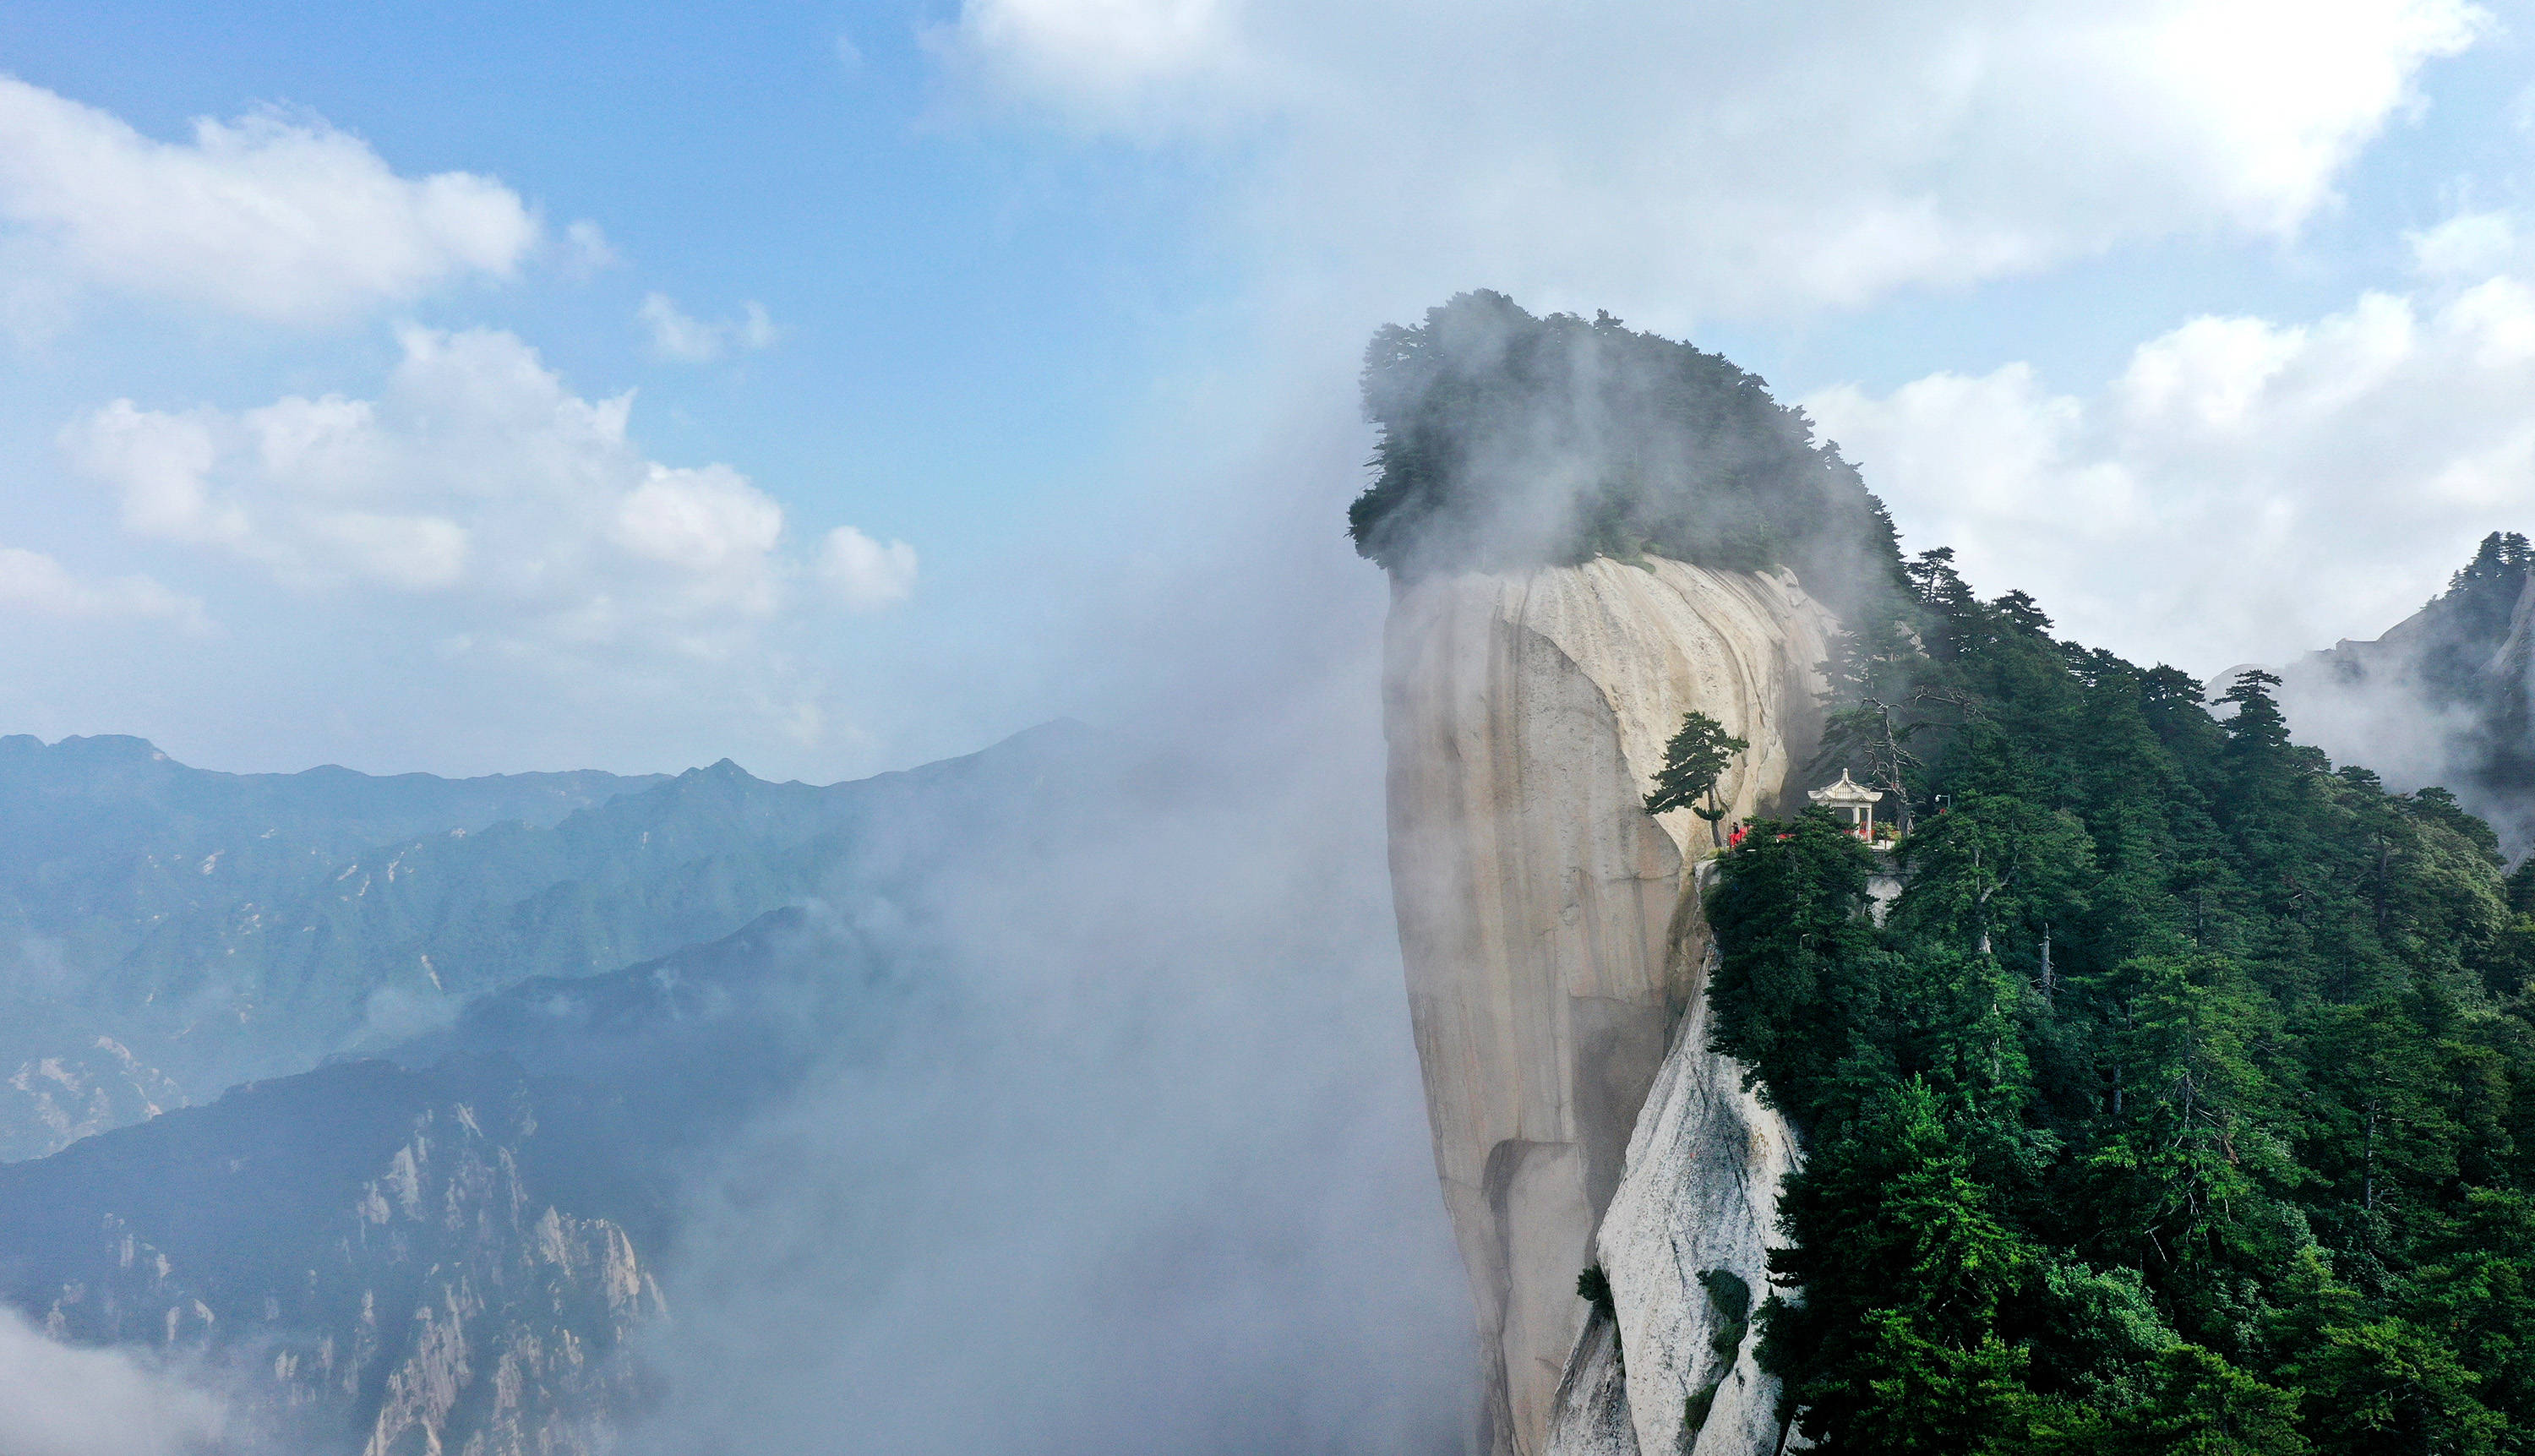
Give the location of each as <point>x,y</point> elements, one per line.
<point>1541,911</point>
<point>1699,1200</point>
<point>1591,1418</point>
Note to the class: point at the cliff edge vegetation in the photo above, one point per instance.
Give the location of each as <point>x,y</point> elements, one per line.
<point>2185,1100</point>
<point>1509,440</point>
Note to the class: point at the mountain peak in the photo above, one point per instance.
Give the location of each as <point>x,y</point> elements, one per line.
<point>111,748</point>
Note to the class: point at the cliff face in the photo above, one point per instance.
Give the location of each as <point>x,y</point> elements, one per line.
<point>1686,1241</point>
<point>1552,943</point>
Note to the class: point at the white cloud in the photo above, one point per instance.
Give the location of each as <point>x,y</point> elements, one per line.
<point>35,584</point>
<point>588,249</point>
<point>275,217</point>
<point>675,335</point>
<point>1107,55</point>
<point>476,481</point>
<point>2246,489</point>
<point>2469,245</point>
<point>161,462</point>
<point>60,1400</point>
<point>713,526</point>
<point>1736,156</point>
<point>864,573</point>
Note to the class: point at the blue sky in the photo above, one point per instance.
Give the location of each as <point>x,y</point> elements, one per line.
<point>2205,322</point>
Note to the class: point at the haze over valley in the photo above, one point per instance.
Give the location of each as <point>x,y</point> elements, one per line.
<point>1175,725</point>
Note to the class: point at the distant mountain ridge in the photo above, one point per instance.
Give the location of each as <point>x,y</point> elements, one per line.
<point>207,936</point>
<point>117,855</point>
<point>449,1244</point>
<point>113,794</point>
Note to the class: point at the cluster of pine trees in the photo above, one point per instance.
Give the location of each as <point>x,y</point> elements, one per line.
<point>2472,617</point>
<point>1509,440</point>
<point>2185,1101</point>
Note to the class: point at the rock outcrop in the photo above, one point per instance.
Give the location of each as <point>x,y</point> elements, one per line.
<point>1685,1242</point>
<point>1552,941</point>
<point>87,1085</point>
<point>359,1256</point>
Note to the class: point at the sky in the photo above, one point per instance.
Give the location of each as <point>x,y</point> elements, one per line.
<point>467,388</point>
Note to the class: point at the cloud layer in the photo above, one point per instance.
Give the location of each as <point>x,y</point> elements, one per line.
<point>1734,157</point>
<point>478,481</point>
<point>273,216</point>
<point>2246,489</point>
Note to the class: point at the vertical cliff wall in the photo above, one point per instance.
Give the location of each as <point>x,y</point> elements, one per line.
<point>1552,946</point>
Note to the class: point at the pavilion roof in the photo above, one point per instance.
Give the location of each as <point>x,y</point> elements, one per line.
<point>1847,791</point>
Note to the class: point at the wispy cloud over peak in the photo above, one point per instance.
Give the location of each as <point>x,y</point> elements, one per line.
<point>32,584</point>
<point>2245,489</point>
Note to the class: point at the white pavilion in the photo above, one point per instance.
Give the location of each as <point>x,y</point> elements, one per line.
<point>1852,802</point>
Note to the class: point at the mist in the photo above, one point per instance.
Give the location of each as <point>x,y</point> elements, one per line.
<point>1509,440</point>
<point>59,1400</point>
<point>2443,698</point>
<point>1066,304</point>
<point>1144,1166</point>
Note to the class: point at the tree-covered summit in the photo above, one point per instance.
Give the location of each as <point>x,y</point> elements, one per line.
<point>2470,621</point>
<point>1511,440</point>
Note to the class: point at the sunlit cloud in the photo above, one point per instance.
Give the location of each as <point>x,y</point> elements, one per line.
<point>2245,489</point>
<point>1675,162</point>
<point>275,217</point>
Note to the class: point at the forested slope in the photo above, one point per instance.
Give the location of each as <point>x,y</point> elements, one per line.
<point>2186,1098</point>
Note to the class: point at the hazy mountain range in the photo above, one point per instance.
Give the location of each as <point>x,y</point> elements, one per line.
<point>538,1001</point>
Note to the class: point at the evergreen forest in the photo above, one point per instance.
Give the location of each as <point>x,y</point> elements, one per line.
<point>2183,1101</point>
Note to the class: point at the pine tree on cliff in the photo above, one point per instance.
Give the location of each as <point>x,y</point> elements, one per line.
<point>1696,758</point>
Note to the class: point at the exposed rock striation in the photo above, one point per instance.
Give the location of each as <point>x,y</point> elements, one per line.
<point>1685,1239</point>
<point>1552,946</point>
<point>1591,1417</point>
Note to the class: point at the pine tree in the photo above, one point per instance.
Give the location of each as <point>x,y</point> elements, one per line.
<point>2173,1020</point>
<point>1694,760</point>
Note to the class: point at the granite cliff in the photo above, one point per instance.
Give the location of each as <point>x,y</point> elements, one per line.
<point>1556,959</point>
